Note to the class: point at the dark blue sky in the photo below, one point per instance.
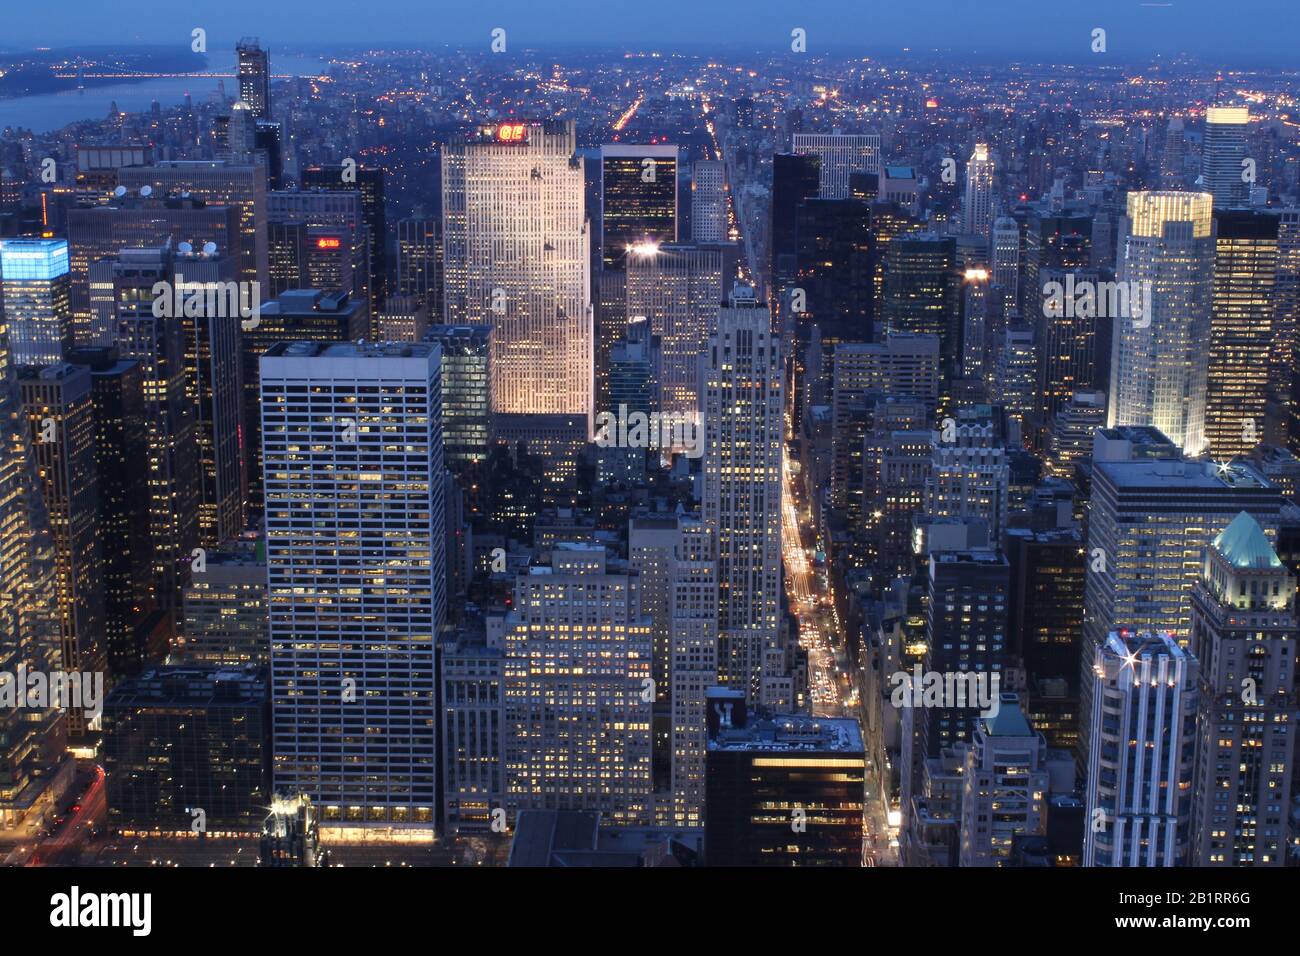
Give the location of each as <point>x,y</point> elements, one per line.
<point>1240,31</point>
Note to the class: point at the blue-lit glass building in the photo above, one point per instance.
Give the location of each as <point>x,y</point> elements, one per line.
<point>37,299</point>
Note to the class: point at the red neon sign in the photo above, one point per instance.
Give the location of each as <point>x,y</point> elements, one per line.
<point>328,243</point>
<point>511,133</point>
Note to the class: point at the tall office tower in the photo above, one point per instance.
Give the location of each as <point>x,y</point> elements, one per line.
<point>301,315</point>
<point>466,404</point>
<point>286,256</point>
<point>225,606</point>
<point>1222,154</point>
<point>693,636</point>
<point>763,775</point>
<point>254,77</point>
<point>652,543</point>
<point>268,141</point>
<point>888,219</point>
<point>634,367</point>
<point>334,236</point>
<point>37,299</point>
<point>216,183</point>
<point>969,475</point>
<point>368,183</point>
<point>895,466</point>
<point>1067,335</point>
<point>839,154</point>
<point>213,387</point>
<point>471,669</point>
<point>61,420</point>
<point>794,179</point>
<point>1015,361</point>
<point>609,310</point>
<point>922,293</point>
<point>1144,694</point>
<point>679,289</point>
<point>1048,570</point>
<point>1241,331</point>
<point>515,254</point>
<point>419,263</point>
<point>180,738</point>
<point>1004,786</point>
<point>965,630</point>
<point>1052,241</point>
<point>122,522</point>
<point>743,404</point>
<point>638,199</point>
<point>236,134</point>
<point>709,201</point>
<point>1243,634</point>
<point>977,201</point>
<point>577,663</point>
<point>102,231</point>
<point>978,322</point>
<point>833,258</point>
<point>158,344</point>
<point>901,366</point>
<point>1070,443</point>
<point>32,739</point>
<point>356,578</point>
<point>1006,261</point>
<point>1150,520</point>
<point>1174,157</point>
<point>1285,423</point>
<point>1159,357</point>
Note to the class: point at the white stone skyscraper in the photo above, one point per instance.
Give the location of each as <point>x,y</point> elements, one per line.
<point>1222,153</point>
<point>693,631</point>
<point>355,553</point>
<point>840,154</point>
<point>577,689</point>
<point>1139,786</point>
<point>743,404</point>
<point>516,256</point>
<point>709,201</point>
<point>977,201</point>
<point>1160,343</point>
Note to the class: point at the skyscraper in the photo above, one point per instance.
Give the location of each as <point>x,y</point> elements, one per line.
<point>1222,153</point>
<point>743,403</point>
<point>515,252</point>
<point>794,178</point>
<point>1243,634</point>
<point>368,183</point>
<point>1139,789</point>
<point>1158,356</point>
<point>578,690</point>
<point>693,639</point>
<point>921,293</point>
<point>352,447</point>
<point>466,404</point>
<point>638,199</point>
<point>254,77</point>
<point>1241,331</point>
<point>419,263</point>
<point>1006,261</point>
<point>37,299</point>
<point>977,201</point>
<point>708,201</point>
<point>840,154</point>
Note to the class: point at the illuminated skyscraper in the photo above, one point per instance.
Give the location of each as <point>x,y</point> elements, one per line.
<point>922,293</point>
<point>1222,153</point>
<point>466,404</point>
<point>1241,330</point>
<point>37,299</point>
<point>840,154</point>
<point>255,77</point>
<point>744,389</point>
<point>578,690</point>
<point>638,204</point>
<point>679,289</point>
<point>977,201</point>
<point>1144,701</point>
<point>708,201</point>
<point>368,183</point>
<point>1159,358</point>
<point>352,446</point>
<point>419,263</point>
<point>516,257</point>
<point>1006,261</point>
<point>693,636</point>
<point>1243,633</point>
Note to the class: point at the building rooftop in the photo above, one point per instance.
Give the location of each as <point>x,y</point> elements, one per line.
<point>1245,545</point>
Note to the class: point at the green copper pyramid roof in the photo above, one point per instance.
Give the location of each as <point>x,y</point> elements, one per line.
<point>1245,545</point>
